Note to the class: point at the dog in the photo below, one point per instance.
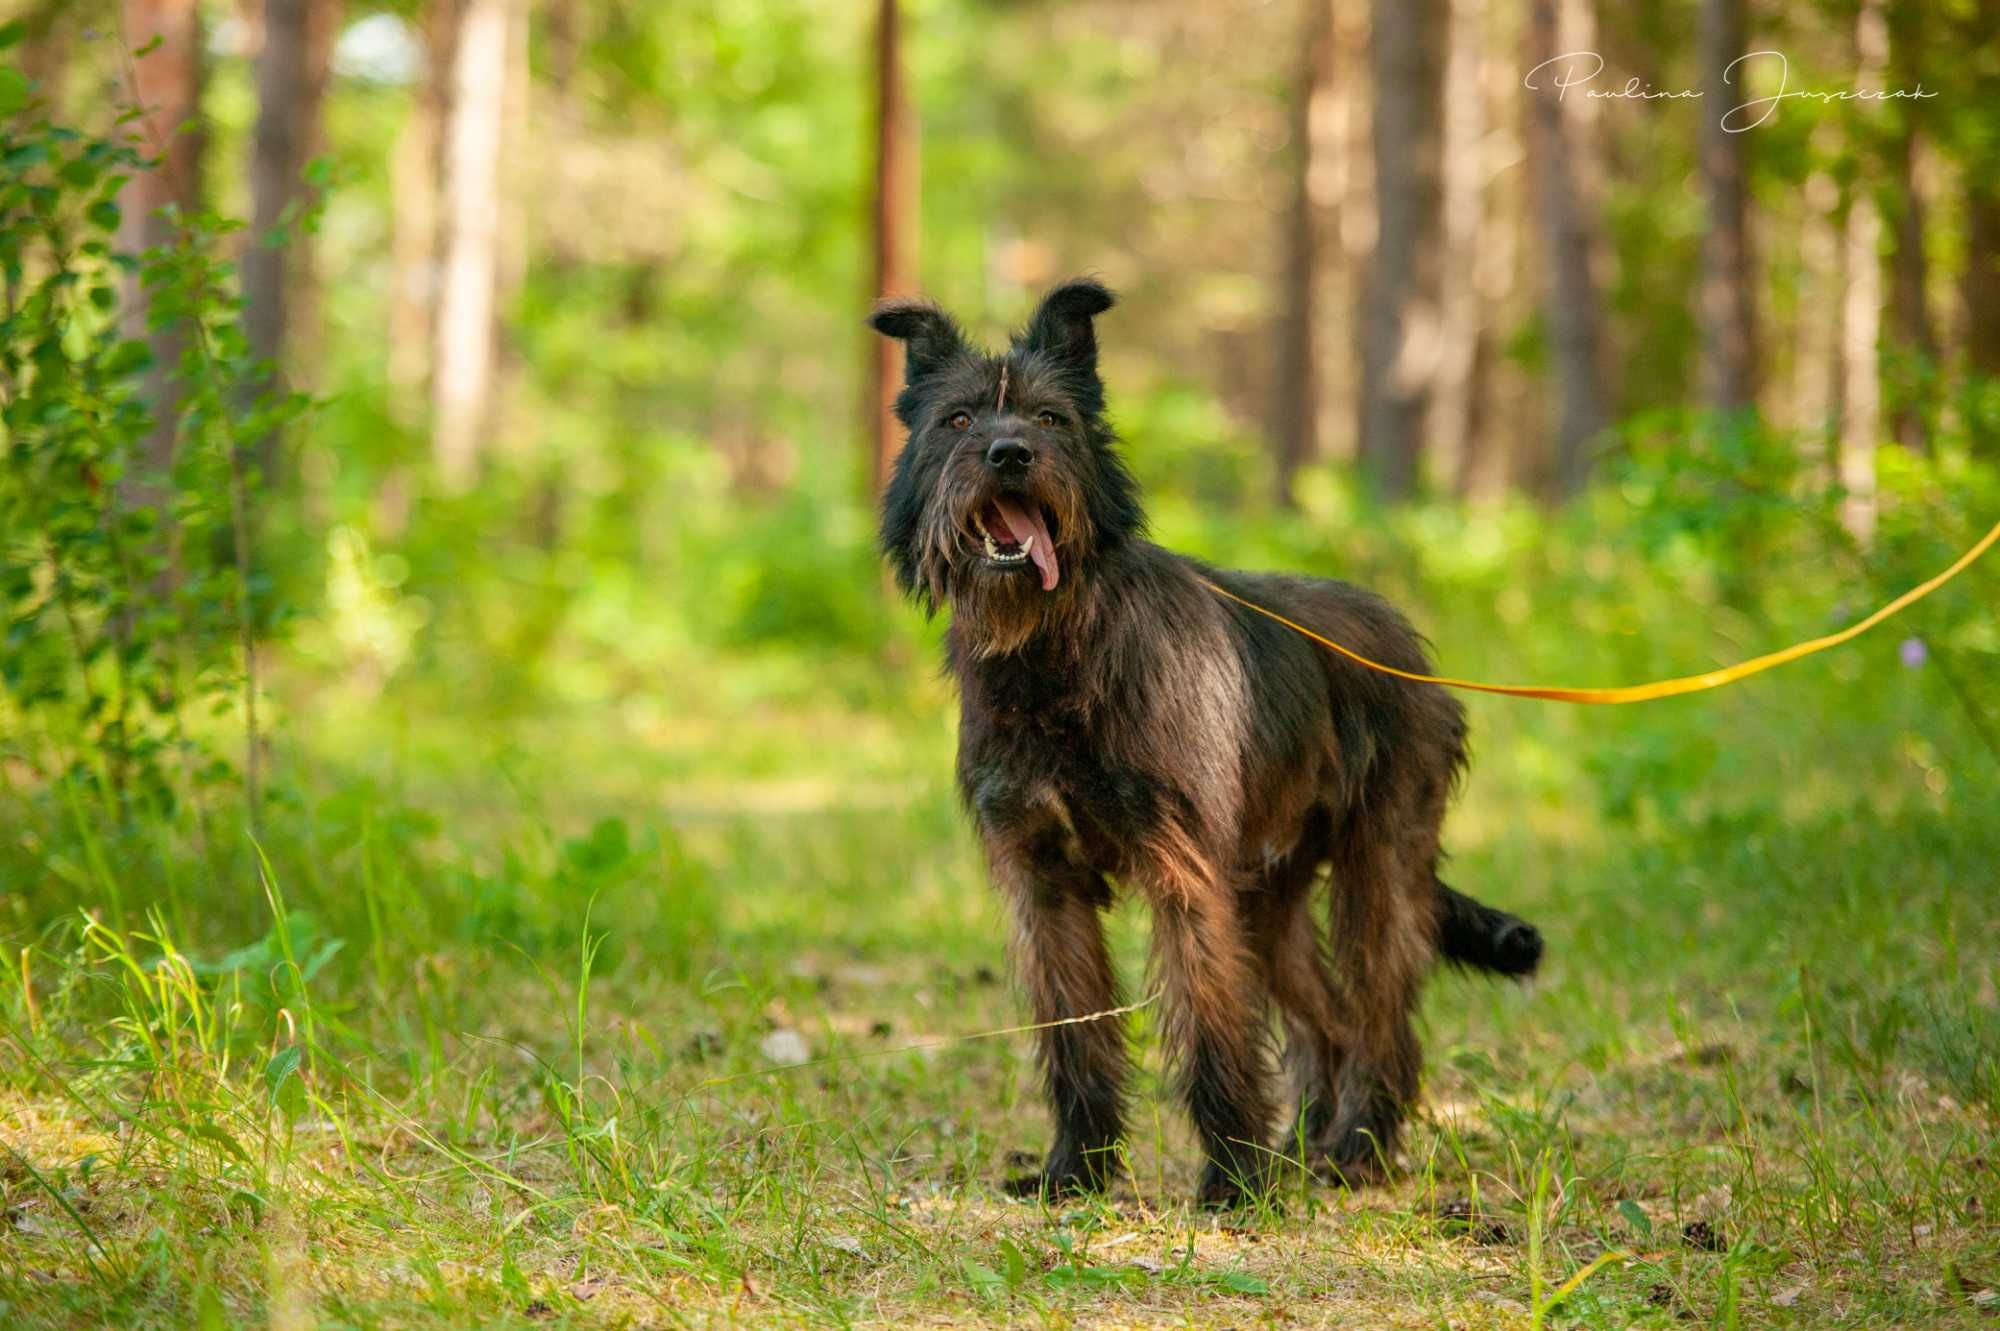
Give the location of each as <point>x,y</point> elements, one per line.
<point>1121,723</point>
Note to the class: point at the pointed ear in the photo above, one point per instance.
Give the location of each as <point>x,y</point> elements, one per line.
<point>931,338</point>
<point>1062,327</point>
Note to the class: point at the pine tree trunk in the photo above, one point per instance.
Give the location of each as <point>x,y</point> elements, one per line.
<point>1351,183</point>
<point>47,33</point>
<point>896,196</point>
<point>1728,320</point>
<point>1295,405</point>
<point>1979,287</point>
<point>416,169</point>
<point>1566,182</point>
<point>1506,272</point>
<point>462,377</point>
<point>1461,319</point>
<point>1909,300</point>
<point>1400,341</point>
<point>1861,332</point>
<point>1819,346</point>
<point>168,83</point>
<point>291,88</point>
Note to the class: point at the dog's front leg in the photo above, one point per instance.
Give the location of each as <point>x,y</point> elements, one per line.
<point>1214,1022</point>
<point>1060,955</point>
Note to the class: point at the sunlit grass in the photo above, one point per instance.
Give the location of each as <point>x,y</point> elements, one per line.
<point>1775,1028</point>
<point>495,1025</point>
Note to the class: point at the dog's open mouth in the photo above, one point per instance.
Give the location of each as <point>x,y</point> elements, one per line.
<point>1017,535</point>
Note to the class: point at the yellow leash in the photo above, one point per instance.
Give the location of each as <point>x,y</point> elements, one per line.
<point>1659,688</point>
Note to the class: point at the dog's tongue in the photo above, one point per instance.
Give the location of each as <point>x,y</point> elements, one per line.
<point>1022,523</point>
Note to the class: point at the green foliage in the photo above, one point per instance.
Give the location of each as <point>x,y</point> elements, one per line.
<point>598,777</point>
<point>78,563</point>
<point>127,578</point>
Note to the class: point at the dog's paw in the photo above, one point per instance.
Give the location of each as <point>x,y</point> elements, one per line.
<point>1230,1187</point>
<point>1048,1187</point>
<point>1352,1169</point>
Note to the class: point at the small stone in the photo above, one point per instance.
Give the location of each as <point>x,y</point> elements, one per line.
<point>785,1046</point>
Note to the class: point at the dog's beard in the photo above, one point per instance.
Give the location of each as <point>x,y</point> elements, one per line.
<point>1000,561</point>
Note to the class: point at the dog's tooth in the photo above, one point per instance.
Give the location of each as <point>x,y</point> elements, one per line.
<point>1027,544</point>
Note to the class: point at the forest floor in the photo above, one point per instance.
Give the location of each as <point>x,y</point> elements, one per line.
<point>533,1061</point>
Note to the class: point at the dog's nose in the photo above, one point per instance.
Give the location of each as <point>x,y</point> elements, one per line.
<point>1009,455</point>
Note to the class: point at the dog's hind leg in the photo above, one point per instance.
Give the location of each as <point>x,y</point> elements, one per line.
<point>1062,961</point>
<point>1289,948</point>
<point>1384,941</point>
<point>1214,1020</point>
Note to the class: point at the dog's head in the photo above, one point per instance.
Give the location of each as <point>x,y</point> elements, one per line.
<point>1009,488</point>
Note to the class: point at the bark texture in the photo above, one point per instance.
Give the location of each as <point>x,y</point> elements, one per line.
<point>1728,320</point>
<point>1400,319</point>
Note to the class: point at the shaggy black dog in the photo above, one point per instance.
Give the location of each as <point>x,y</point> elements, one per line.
<point>1122,723</point>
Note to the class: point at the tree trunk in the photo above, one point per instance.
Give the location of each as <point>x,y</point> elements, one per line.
<point>46,36</point>
<point>1295,406</point>
<point>1728,320</point>
<point>167,87</point>
<point>415,172</point>
<point>1980,286</point>
<point>1461,317</point>
<point>1566,184</point>
<point>1909,301</point>
<point>1506,271</point>
<point>1400,344</point>
<point>291,87</point>
<point>896,201</point>
<point>462,378</point>
<point>1861,331</point>
<point>1351,183</point>
<point>1816,369</point>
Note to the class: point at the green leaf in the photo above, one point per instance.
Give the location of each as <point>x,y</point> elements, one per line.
<point>1641,1223</point>
<point>127,358</point>
<point>1013,1264</point>
<point>14,87</point>
<point>284,1064</point>
<point>214,1132</point>
<point>10,33</point>
<point>287,1088</point>
<point>1242,1282</point>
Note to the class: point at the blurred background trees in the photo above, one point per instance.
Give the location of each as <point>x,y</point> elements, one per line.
<point>1353,233</point>
<point>578,284</point>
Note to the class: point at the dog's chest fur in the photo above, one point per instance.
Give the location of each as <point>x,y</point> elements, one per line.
<point>1084,763</point>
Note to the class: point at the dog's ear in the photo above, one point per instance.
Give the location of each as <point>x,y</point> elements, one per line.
<point>1061,326</point>
<point>930,338</point>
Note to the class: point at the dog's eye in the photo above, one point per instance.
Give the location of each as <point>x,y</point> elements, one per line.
<point>1046,419</point>
<point>960,420</point>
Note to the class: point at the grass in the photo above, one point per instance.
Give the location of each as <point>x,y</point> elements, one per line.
<point>498,1027</point>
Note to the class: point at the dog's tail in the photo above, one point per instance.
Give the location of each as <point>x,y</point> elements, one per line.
<point>1479,937</point>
